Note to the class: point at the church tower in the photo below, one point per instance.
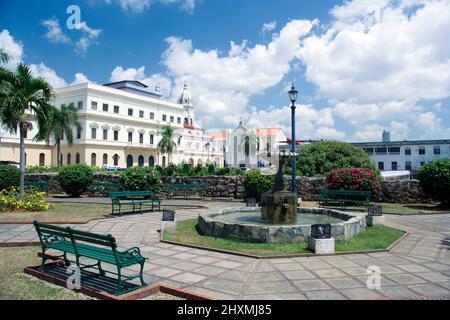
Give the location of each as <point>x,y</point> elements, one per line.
<point>186,100</point>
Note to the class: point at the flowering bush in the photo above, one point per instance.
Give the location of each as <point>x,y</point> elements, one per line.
<point>434,179</point>
<point>142,179</point>
<point>32,200</point>
<point>354,178</point>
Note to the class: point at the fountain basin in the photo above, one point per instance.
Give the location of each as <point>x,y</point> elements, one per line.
<point>245,224</point>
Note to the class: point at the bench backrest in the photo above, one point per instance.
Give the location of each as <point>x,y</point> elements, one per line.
<point>93,238</point>
<point>51,233</point>
<point>130,194</point>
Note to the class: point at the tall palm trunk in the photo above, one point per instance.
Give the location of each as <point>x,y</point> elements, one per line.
<point>58,152</point>
<point>22,133</point>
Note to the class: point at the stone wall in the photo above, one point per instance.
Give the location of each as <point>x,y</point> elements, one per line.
<point>233,186</point>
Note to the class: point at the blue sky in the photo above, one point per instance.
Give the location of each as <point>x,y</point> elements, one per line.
<point>361,66</point>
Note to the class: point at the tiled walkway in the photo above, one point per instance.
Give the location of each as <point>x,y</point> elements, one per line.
<point>418,268</point>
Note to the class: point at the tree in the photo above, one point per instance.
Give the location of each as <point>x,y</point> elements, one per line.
<point>434,179</point>
<point>24,98</point>
<point>166,144</point>
<point>62,123</point>
<point>319,158</point>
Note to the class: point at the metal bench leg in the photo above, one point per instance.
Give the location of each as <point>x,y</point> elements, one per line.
<point>119,280</point>
<point>42,268</point>
<point>102,272</point>
<point>66,261</point>
<point>141,274</point>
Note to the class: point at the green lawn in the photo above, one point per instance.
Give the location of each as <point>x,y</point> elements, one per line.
<point>393,208</point>
<point>379,237</point>
<point>15,285</point>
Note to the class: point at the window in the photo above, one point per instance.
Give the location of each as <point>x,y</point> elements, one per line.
<point>151,139</point>
<point>116,135</point>
<point>116,160</point>
<point>394,166</point>
<point>141,138</point>
<point>42,159</point>
<point>437,150</point>
<point>141,161</point>
<point>269,153</point>
<point>422,163</point>
<point>408,152</point>
<point>172,119</point>
<point>105,134</point>
<point>69,158</point>
<point>141,114</point>
<point>116,109</point>
<point>130,136</point>
<point>78,133</point>
<point>93,159</point>
<point>151,161</point>
<point>394,150</point>
<point>152,115</point>
<point>369,150</point>
<point>94,105</point>
<point>381,165</point>
<point>80,105</point>
<point>130,112</point>
<point>93,133</point>
<point>179,120</point>
<point>164,117</point>
<point>380,150</point>
<point>129,161</point>
<point>77,158</point>
<point>421,150</point>
<point>105,107</point>
<point>105,159</point>
<point>408,165</point>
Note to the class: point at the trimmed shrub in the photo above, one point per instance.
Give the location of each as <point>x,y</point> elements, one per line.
<point>354,178</point>
<point>32,200</point>
<point>319,158</point>
<point>434,179</point>
<point>255,184</point>
<point>9,176</point>
<point>41,169</point>
<point>142,179</point>
<point>75,179</point>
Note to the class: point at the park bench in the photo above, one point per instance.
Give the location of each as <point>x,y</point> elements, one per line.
<point>185,190</point>
<point>82,244</point>
<point>133,198</point>
<point>104,187</point>
<point>344,198</point>
<point>37,185</point>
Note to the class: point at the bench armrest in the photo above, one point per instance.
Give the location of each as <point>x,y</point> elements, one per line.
<point>134,252</point>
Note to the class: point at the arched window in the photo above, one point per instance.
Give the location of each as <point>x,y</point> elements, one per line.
<point>77,158</point>
<point>105,159</point>
<point>191,162</point>
<point>151,161</point>
<point>164,161</point>
<point>116,159</point>
<point>93,159</point>
<point>42,159</point>
<point>69,158</point>
<point>200,162</point>
<point>129,161</point>
<point>141,160</point>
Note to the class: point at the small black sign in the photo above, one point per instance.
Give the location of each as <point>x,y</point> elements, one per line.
<point>321,231</point>
<point>168,215</point>
<point>375,210</point>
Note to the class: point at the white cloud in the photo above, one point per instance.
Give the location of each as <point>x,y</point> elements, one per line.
<point>138,6</point>
<point>54,32</point>
<point>156,80</point>
<point>41,70</point>
<point>88,38</point>
<point>268,27</point>
<point>13,48</point>
<point>80,78</point>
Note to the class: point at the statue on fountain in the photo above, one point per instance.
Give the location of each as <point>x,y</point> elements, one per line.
<point>279,206</point>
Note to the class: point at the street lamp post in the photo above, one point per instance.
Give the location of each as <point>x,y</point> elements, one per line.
<point>293,96</point>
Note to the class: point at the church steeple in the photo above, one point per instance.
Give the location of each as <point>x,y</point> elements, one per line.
<point>186,100</point>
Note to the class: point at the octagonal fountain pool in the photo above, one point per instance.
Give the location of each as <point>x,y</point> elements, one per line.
<point>246,224</point>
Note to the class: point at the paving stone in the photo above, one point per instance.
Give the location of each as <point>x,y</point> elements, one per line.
<point>344,283</point>
<point>434,276</point>
<point>288,266</point>
<point>269,287</point>
<point>413,268</point>
<point>165,272</point>
<point>437,266</point>
<point>227,264</point>
<point>384,281</point>
<point>298,275</point>
<point>209,270</point>
<point>429,289</point>
<point>356,271</point>
<point>316,265</point>
<point>325,295</point>
<point>188,277</point>
<point>389,270</point>
<point>205,260</point>
<point>266,267</point>
<point>267,276</point>
<point>329,273</point>
<point>403,278</point>
<point>361,294</point>
<point>311,285</point>
<point>165,252</point>
<point>185,256</point>
<point>396,292</point>
<point>223,285</point>
<point>234,275</point>
<point>186,266</point>
<point>165,261</point>
<point>395,261</point>
<point>343,263</point>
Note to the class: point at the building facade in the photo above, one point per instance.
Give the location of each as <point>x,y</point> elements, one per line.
<point>404,155</point>
<point>121,126</point>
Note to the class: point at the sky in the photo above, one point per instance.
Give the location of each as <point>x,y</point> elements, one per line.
<point>360,66</point>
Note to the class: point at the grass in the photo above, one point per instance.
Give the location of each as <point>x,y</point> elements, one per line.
<point>393,208</point>
<point>59,212</point>
<point>14,284</point>
<point>374,238</point>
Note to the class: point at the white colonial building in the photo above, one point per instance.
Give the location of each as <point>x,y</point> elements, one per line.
<point>121,126</point>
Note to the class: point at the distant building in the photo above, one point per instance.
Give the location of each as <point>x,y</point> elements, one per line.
<point>404,155</point>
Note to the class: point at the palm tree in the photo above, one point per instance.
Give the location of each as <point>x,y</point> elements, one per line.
<point>24,98</point>
<point>166,144</point>
<point>62,123</point>
<point>4,57</point>
<point>250,143</point>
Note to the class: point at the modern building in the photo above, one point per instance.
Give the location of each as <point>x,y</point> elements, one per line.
<point>121,126</point>
<point>404,155</point>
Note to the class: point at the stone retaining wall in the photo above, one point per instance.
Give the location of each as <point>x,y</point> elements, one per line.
<point>408,191</point>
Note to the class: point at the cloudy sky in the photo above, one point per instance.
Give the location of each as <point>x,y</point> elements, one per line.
<point>361,66</point>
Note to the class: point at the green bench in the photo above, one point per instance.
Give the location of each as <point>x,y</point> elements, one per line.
<point>344,198</point>
<point>37,185</point>
<point>185,190</point>
<point>82,244</point>
<point>105,187</point>
<point>133,198</point>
